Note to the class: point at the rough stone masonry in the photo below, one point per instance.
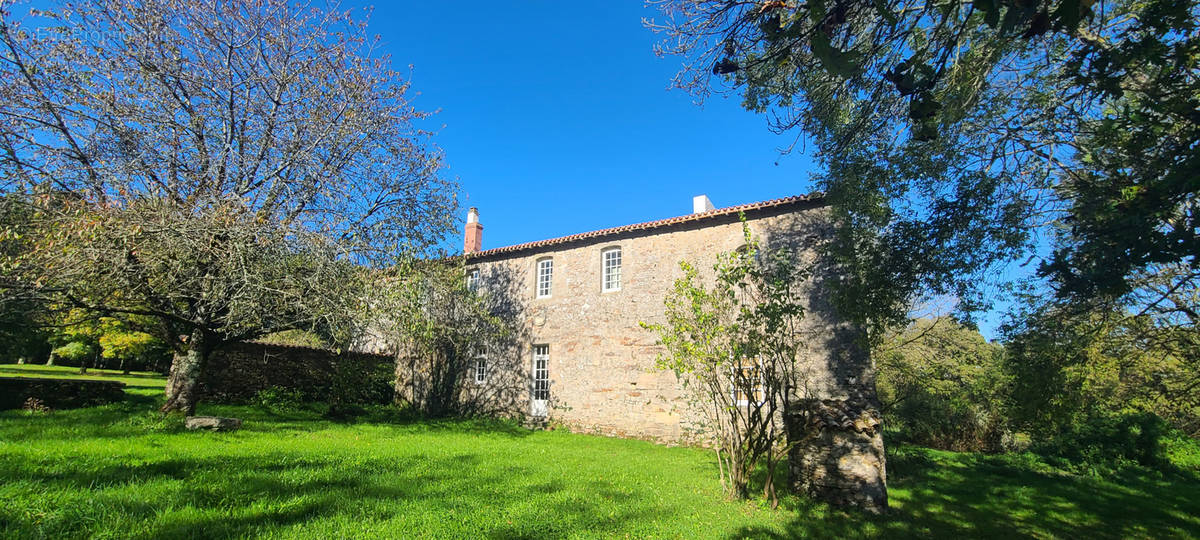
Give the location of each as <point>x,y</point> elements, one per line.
<point>583,362</point>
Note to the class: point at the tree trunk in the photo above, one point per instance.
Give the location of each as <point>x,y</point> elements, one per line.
<point>50,361</point>
<point>184,380</point>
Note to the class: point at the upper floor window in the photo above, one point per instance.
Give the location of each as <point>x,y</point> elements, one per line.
<point>611,274</point>
<point>473,279</point>
<point>545,275</point>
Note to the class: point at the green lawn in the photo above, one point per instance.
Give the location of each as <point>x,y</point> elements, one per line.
<point>134,381</point>
<point>119,472</point>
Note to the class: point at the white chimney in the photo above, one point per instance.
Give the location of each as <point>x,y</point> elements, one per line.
<point>701,204</point>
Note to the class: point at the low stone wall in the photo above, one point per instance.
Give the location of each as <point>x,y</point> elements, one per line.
<point>236,372</point>
<point>838,453</point>
<point>58,393</point>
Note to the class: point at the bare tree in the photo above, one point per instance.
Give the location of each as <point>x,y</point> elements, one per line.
<point>225,167</point>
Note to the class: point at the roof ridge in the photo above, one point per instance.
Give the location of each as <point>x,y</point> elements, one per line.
<point>813,196</point>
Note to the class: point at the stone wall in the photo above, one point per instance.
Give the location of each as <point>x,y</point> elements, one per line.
<point>58,393</point>
<point>238,371</point>
<point>837,452</point>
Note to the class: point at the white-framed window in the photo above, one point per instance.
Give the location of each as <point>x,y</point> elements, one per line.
<point>480,368</point>
<point>545,276</point>
<point>473,279</point>
<point>748,373</point>
<point>541,372</point>
<point>610,279</point>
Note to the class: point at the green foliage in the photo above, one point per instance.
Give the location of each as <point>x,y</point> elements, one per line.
<point>1103,387</point>
<point>942,385</point>
<point>114,342</point>
<point>1135,198</point>
<point>1103,444</point>
<point>75,351</point>
<point>1071,367</point>
<point>948,133</point>
<point>734,347</point>
<point>279,400</point>
<point>443,324</point>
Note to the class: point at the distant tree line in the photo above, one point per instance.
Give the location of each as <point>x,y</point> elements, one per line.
<point>1102,388</point>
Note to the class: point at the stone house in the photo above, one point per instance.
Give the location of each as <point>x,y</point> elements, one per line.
<point>581,360</point>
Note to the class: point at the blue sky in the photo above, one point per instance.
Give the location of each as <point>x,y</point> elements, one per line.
<point>557,118</point>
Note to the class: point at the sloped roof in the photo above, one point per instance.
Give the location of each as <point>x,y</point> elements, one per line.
<point>815,196</point>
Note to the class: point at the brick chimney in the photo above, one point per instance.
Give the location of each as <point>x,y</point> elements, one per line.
<point>473,232</point>
<point>701,204</point>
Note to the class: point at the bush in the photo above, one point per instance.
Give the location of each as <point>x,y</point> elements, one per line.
<point>942,385</point>
<point>1109,443</point>
<point>345,411</point>
<point>948,423</point>
<point>280,400</point>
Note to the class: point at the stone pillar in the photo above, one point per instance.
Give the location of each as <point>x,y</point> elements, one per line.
<point>838,452</point>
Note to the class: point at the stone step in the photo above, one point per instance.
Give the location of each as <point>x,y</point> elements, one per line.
<point>537,423</point>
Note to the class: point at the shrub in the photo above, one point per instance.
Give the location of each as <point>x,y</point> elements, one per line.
<point>942,385</point>
<point>1107,443</point>
<point>344,411</point>
<point>280,400</point>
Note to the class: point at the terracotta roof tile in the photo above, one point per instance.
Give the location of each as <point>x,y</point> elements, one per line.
<point>762,205</point>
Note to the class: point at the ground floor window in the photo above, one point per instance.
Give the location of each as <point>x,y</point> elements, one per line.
<point>541,372</point>
<point>748,382</point>
<point>480,369</point>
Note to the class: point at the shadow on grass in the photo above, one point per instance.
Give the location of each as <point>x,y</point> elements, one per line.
<point>944,494</point>
<point>137,415</point>
<point>126,418</point>
<point>230,496</point>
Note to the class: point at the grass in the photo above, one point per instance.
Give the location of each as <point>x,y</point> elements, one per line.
<point>137,382</point>
<point>119,471</point>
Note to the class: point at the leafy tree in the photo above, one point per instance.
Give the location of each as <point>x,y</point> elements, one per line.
<point>951,132</point>
<point>735,347</point>
<point>442,326</point>
<point>130,347</point>
<point>1072,366</point>
<point>78,352</point>
<point>224,168</point>
<point>942,385</point>
<point>107,339</point>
